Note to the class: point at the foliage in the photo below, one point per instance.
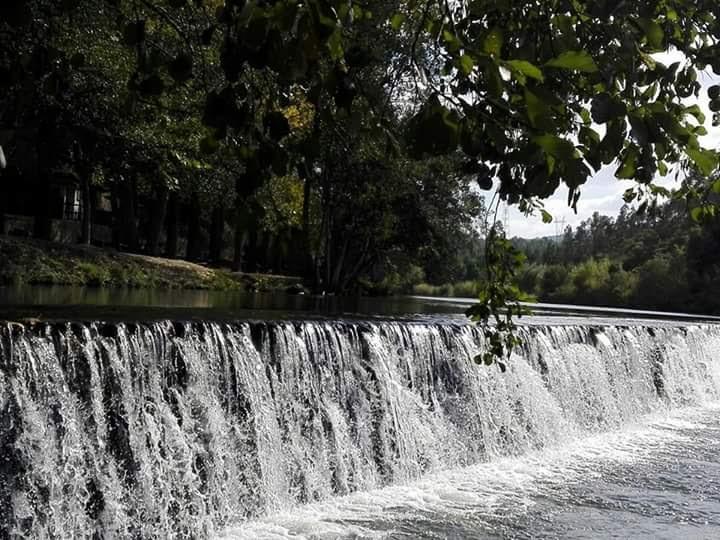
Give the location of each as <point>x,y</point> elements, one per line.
<point>659,259</point>
<point>351,130</point>
<point>460,289</point>
<point>42,263</point>
<point>499,299</point>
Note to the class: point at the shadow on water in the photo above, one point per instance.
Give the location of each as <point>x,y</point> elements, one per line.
<point>67,302</point>
<point>38,302</point>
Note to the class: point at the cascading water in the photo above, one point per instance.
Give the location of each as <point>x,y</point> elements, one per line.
<point>160,429</point>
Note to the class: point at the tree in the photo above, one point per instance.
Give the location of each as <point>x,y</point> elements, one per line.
<point>527,95</point>
<point>534,93</point>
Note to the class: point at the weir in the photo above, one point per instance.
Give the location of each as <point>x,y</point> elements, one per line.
<point>165,428</point>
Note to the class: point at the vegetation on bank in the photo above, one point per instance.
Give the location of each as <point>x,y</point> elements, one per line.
<point>36,262</point>
<point>147,126</point>
<point>658,260</point>
<point>344,141</point>
<point>460,289</point>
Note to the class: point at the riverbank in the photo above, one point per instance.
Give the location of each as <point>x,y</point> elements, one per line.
<point>34,262</point>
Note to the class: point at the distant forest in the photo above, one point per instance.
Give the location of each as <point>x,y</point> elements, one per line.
<point>660,261</point>
<point>657,258</point>
<point>652,260</point>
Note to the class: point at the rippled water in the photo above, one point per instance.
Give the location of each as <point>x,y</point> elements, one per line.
<point>659,479</point>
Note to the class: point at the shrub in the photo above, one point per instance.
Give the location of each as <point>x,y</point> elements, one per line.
<point>466,289</point>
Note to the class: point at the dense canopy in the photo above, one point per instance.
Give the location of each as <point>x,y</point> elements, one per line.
<point>344,141</point>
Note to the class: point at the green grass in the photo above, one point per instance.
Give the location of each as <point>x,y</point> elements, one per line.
<point>33,262</point>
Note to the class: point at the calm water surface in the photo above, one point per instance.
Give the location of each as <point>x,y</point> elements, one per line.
<point>87,300</point>
<point>70,302</point>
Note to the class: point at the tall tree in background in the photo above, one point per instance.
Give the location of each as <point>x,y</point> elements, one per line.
<point>534,95</point>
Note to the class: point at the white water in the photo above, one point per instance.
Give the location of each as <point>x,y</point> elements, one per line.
<point>656,480</point>
<point>229,429</point>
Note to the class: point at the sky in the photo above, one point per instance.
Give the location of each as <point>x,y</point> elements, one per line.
<point>603,192</point>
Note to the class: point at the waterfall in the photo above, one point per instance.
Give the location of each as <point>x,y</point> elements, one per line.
<point>159,429</point>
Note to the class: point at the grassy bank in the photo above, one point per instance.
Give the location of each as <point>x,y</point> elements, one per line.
<point>34,262</point>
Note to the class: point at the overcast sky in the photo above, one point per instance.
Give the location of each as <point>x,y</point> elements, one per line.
<point>603,192</point>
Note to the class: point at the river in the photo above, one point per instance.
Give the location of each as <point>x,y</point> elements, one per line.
<point>160,421</point>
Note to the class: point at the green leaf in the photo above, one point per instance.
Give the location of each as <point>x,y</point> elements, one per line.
<point>604,107</point>
<point>706,160</point>
<point>588,137</point>
<point>526,68</point>
<point>639,129</point>
<point>659,190</point>
<point>334,44</point>
<point>653,33</point>
<point>537,109</point>
<point>702,213</point>
<point>546,216</point>
<point>434,130</point>
<point>451,41</point>
<point>629,195</point>
<point>397,20</point>
<point>555,146</point>
<point>574,60</point>
<point>466,64</point>
<point>716,186</point>
<point>628,165</point>
<point>492,44</point>
<point>694,110</point>
<point>613,142</point>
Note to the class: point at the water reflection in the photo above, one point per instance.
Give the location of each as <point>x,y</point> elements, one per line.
<point>230,301</point>
<point>64,302</point>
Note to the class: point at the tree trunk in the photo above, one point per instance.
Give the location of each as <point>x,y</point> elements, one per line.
<point>271,255</point>
<point>339,267</point>
<point>193,239</point>
<point>128,223</point>
<point>241,222</point>
<point>239,242</point>
<point>87,210</point>
<point>42,228</point>
<point>308,264</point>
<point>251,255</point>
<point>157,218</point>
<point>115,216</point>
<point>217,230</point>
<point>172,227</point>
